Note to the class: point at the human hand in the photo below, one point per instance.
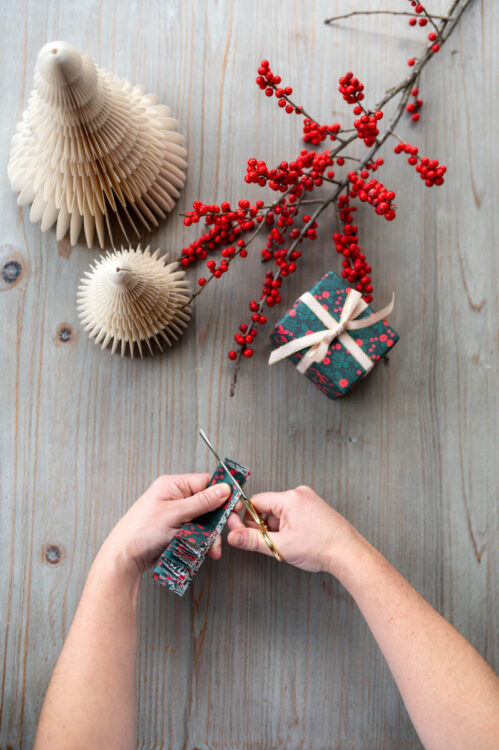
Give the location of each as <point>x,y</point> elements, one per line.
<point>305,529</point>
<point>140,537</point>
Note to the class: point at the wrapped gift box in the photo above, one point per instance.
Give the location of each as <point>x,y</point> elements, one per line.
<point>353,350</point>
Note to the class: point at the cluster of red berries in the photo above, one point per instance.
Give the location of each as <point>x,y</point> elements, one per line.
<point>373,192</point>
<point>430,170</point>
<point>285,259</point>
<point>247,334</point>
<point>282,218</point>
<point>292,173</point>
<point>355,267</point>
<point>412,107</point>
<point>270,83</point>
<point>351,88</point>
<point>279,178</point>
<point>226,227</point>
<point>315,134</point>
<point>418,8</point>
<point>221,216</point>
<point>367,126</point>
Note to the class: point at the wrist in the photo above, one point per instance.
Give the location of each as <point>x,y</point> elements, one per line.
<point>116,563</point>
<point>346,560</point>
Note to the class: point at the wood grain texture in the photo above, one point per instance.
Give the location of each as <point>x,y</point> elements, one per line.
<point>257,655</point>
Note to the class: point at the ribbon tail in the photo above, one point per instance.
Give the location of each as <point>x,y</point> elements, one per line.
<point>355,325</point>
<point>295,345</point>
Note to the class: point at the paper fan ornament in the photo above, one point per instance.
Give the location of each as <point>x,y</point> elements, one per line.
<point>91,146</point>
<point>134,297</point>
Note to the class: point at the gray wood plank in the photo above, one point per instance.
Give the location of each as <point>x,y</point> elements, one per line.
<point>256,655</point>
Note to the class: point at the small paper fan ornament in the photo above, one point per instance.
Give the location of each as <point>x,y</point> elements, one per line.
<point>134,297</point>
<point>91,146</point>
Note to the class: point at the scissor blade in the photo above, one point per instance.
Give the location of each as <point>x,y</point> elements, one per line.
<point>221,461</point>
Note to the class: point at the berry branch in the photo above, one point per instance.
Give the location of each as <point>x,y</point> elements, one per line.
<point>385,13</point>
<point>231,230</point>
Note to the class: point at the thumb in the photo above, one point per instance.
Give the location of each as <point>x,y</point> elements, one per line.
<point>200,503</point>
<point>250,539</point>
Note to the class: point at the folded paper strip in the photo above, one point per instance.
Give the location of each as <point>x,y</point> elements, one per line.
<point>333,336</point>
<point>183,557</point>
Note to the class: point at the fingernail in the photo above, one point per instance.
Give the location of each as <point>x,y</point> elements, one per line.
<point>222,490</point>
<point>237,539</point>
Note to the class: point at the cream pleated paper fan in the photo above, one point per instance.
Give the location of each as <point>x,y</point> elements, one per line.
<point>134,297</point>
<point>91,146</point>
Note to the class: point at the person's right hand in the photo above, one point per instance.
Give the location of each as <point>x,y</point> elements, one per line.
<point>305,529</point>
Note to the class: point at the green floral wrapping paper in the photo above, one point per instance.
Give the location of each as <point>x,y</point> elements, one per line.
<point>339,370</point>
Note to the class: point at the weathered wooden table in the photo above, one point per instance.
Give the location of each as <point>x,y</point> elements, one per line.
<point>256,655</point>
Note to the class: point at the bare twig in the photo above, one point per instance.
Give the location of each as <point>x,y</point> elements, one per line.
<point>383,13</point>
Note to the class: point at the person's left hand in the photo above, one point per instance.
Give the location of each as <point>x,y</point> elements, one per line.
<point>140,537</point>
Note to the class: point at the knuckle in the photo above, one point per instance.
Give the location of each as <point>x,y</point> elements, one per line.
<point>302,489</point>
<point>206,496</point>
<point>251,541</point>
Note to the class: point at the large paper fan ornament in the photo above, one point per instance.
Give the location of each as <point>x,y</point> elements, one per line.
<point>133,297</point>
<point>91,146</point>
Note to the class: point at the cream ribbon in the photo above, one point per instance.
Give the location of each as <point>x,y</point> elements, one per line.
<point>320,341</point>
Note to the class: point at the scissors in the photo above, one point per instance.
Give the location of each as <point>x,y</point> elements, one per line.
<point>257,518</point>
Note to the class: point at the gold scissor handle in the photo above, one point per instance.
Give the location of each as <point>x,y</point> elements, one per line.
<point>263,528</point>
<point>249,505</point>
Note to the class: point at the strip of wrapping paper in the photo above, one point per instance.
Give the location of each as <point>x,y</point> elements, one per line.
<point>339,370</point>
<point>183,557</point>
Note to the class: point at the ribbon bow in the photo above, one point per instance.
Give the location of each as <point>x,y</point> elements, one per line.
<point>319,342</point>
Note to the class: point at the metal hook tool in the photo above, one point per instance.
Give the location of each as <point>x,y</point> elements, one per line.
<point>262,526</point>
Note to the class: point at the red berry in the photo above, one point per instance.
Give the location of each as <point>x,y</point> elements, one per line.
<point>202,281</point>
<point>247,352</point>
<point>232,354</point>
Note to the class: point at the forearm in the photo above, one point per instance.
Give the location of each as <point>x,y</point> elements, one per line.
<point>91,699</point>
<point>450,692</point>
